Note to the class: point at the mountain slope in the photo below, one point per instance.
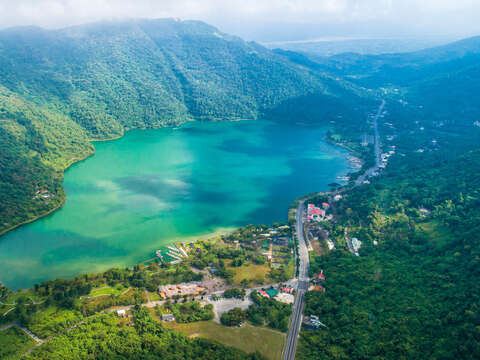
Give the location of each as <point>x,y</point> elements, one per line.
<point>95,81</point>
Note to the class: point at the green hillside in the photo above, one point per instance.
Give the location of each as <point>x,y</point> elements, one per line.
<point>59,88</point>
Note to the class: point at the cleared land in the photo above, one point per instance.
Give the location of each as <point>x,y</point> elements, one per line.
<point>248,338</point>
<point>253,273</point>
<point>14,343</point>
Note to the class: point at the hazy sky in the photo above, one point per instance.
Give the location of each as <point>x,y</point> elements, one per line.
<point>266,19</point>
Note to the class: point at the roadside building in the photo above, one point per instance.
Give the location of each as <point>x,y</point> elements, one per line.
<point>264,294</point>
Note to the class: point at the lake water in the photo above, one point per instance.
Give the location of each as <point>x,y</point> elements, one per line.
<point>150,188</point>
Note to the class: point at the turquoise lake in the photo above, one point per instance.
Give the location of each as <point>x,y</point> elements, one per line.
<point>150,188</point>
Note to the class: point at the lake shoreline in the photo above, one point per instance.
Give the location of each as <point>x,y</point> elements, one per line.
<point>68,233</point>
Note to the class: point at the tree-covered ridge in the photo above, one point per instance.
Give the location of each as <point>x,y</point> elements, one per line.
<point>416,294</point>
<point>36,145</point>
<point>59,88</point>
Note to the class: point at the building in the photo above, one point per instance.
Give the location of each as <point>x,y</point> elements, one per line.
<point>315,213</point>
<point>183,289</point>
<point>168,317</point>
<point>121,312</point>
<point>312,322</point>
<point>321,276</point>
<point>356,244</point>
<point>264,294</point>
<point>424,212</point>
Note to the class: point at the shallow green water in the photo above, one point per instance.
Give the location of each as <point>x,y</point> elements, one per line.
<point>143,191</point>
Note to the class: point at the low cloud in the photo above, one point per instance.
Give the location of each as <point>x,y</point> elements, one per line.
<point>247,17</point>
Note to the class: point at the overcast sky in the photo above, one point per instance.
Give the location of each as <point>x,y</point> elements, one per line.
<point>266,20</point>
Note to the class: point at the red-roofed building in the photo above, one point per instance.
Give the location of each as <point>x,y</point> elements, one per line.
<point>325,205</point>
<point>264,294</point>
<point>321,276</point>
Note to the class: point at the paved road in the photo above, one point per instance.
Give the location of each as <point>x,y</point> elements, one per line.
<point>378,150</point>
<point>296,320</point>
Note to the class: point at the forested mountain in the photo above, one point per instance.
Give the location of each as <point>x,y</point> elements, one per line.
<point>59,88</point>
<point>441,84</point>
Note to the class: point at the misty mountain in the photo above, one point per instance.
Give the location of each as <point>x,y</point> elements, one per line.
<point>442,83</point>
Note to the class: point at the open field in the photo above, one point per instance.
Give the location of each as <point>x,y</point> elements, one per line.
<point>107,290</point>
<point>248,338</point>
<point>252,272</point>
<point>14,343</point>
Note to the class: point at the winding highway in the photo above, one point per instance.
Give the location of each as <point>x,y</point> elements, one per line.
<point>303,280</point>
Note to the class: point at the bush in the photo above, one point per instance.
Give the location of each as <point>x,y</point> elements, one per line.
<point>233,317</point>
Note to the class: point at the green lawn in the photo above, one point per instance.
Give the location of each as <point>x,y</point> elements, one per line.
<point>107,290</point>
<point>14,343</point>
<point>251,272</point>
<point>248,338</point>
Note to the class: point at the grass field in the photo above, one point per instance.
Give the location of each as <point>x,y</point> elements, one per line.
<point>14,343</point>
<point>252,272</point>
<point>248,338</point>
<point>107,290</point>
